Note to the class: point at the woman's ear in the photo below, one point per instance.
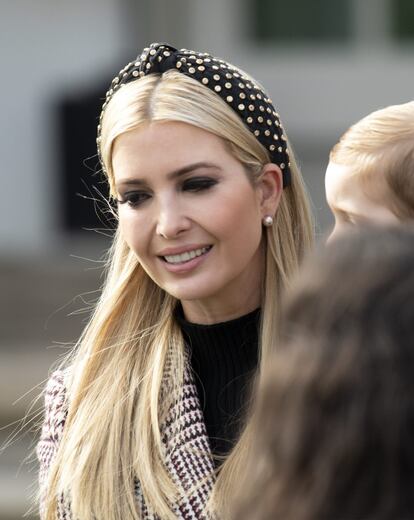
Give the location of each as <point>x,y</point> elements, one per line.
<point>270,189</point>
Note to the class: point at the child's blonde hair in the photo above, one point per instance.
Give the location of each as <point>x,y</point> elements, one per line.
<point>382,143</point>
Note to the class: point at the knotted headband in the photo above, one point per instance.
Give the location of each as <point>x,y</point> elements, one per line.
<point>239,91</point>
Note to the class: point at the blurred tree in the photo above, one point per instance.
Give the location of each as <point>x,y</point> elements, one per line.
<point>403,19</point>
<point>297,21</point>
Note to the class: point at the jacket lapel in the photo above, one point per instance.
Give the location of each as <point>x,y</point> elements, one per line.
<point>188,454</point>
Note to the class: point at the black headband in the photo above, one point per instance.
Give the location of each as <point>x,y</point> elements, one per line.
<point>240,92</point>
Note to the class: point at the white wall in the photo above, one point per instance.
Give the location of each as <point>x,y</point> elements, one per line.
<point>317,88</point>
<point>319,91</point>
<point>46,47</point>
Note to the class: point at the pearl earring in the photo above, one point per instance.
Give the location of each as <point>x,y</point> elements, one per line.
<point>268,221</point>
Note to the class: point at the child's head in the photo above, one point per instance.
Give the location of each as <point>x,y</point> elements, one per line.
<point>335,417</point>
<point>370,176</point>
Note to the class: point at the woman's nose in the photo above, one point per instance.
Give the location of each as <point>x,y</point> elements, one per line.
<point>172,220</point>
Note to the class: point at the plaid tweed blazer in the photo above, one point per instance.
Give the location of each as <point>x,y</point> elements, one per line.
<point>188,463</point>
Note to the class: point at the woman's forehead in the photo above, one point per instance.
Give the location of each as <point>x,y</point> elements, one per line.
<point>167,147</point>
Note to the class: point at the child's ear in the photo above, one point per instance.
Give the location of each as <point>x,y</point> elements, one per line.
<point>271,187</point>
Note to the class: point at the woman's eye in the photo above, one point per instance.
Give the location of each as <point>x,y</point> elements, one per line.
<point>134,199</point>
<point>198,184</point>
<point>349,221</point>
<point>346,219</point>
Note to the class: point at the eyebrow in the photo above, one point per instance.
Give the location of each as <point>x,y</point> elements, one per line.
<point>174,174</point>
<point>349,213</point>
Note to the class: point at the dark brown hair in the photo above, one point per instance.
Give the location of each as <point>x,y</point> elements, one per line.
<point>334,423</point>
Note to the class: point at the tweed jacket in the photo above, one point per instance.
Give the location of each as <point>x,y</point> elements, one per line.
<point>189,462</point>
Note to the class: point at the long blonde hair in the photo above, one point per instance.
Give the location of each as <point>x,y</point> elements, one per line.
<point>382,144</point>
<point>112,432</point>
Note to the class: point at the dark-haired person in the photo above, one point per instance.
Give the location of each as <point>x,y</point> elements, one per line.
<point>334,425</point>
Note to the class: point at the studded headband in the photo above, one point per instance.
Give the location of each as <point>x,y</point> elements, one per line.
<point>240,92</point>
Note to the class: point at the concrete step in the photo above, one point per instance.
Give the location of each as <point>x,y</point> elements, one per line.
<point>39,321</point>
<point>18,479</point>
<point>41,301</point>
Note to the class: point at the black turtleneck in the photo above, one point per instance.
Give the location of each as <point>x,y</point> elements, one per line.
<point>224,358</point>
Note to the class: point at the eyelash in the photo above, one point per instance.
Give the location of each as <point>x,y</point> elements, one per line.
<point>349,220</point>
<point>137,198</point>
<point>198,184</point>
<point>134,199</point>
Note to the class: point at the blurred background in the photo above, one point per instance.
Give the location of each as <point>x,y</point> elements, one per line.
<point>325,64</point>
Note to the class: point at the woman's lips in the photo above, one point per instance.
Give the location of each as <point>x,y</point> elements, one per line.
<point>185,261</point>
<point>181,258</point>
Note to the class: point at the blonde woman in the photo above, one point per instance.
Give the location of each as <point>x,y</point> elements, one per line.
<point>370,176</point>
<point>148,417</point>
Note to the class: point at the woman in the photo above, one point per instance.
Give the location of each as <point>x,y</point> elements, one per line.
<point>335,415</point>
<point>370,177</point>
<point>213,221</point>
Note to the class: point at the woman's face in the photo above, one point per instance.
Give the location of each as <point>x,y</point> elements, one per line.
<point>354,202</point>
<point>189,212</point>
